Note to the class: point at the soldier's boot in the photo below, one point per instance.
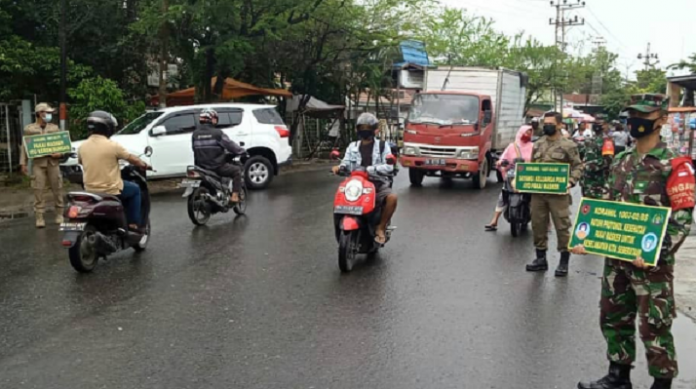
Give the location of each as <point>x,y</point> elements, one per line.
<point>539,263</point>
<point>59,218</point>
<point>562,269</point>
<point>40,222</point>
<point>662,383</point>
<point>619,377</point>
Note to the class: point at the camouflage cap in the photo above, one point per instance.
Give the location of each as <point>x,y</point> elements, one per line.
<point>43,107</point>
<point>649,102</point>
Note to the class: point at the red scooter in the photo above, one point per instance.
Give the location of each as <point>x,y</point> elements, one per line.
<point>96,223</point>
<point>356,216</point>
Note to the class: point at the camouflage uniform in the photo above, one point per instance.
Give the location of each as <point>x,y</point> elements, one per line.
<point>596,171</point>
<point>628,291</point>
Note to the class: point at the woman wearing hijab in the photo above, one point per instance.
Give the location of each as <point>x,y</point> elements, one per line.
<point>520,148</point>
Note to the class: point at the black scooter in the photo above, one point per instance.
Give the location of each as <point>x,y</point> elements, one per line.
<point>518,212</point>
<point>96,225</point>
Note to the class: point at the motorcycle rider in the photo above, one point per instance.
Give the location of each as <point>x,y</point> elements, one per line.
<point>371,154</point>
<point>99,158</point>
<point>210,145</point>
<point>520,148</point>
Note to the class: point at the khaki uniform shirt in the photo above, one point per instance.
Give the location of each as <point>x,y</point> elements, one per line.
<point>99,158</point>
<point>559,151</point>
<point>35,129</point>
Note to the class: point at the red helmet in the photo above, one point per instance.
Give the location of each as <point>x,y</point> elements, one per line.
<point>207,115</point>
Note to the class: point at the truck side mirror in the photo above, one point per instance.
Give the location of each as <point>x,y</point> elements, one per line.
<point>487,116</point>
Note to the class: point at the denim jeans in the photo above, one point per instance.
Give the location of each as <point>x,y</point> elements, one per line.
<point>130,196</point>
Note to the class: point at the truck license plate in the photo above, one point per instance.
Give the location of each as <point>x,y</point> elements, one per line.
<point>436,162</point>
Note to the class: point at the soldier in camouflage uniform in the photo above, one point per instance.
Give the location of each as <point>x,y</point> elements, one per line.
<point>653,175</point>
<point>597,165</point>
<point>553,148</point>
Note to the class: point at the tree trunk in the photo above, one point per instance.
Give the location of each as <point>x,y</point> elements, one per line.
<point>164,56</point>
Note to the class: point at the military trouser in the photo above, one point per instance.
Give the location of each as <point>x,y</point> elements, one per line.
<point>628,291</point>
<point>42,175</point>
<point>559,208</point>
<point>593,184</point>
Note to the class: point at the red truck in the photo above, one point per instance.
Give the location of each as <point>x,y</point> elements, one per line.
<point>460,128</point>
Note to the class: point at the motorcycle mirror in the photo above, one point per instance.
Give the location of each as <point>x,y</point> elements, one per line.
<point>335,154</point>
<point>242,144</point>
<point>148,151</point>
<point>391,159</point>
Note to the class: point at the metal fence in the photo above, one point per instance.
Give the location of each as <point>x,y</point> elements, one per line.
<point>10,137</point>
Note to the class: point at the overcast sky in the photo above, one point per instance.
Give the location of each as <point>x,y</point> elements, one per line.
<point>626,25</point>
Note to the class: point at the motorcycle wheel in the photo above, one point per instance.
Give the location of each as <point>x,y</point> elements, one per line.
<point>515,228</point>
<point>347,250</point>
<point>241,206</point>
<point>83,255</point>
<point>142,245</point>
<point>197,210</point>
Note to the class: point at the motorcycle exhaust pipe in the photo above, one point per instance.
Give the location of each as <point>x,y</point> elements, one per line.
<point>102,243</point>
<point>214,200</point>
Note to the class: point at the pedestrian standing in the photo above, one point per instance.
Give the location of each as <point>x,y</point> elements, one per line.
<point>649,174</point>
<point>596,162</point>
<point>553,148</point>
<point>44,170</point>
<point>621,139</point>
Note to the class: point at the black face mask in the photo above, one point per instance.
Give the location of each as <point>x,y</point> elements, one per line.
<point>549,129</point>
<point>366,134</point>
<point>641,127</point>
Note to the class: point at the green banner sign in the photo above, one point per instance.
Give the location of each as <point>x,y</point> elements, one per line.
<point>548,178</point>
<point>620,230</point>
<point>38,146</point>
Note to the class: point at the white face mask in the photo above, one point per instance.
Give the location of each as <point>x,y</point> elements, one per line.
<point>48,117</point>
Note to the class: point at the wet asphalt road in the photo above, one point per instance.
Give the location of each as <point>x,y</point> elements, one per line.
<point>259,302</point>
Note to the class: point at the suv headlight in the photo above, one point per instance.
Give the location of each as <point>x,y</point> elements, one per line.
<point>354,190</point>
<point>469,153</point>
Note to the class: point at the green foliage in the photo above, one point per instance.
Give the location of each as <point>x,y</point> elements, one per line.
<point>687,64</point>
<point>100,94</point>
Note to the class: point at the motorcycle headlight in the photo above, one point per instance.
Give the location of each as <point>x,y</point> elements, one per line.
<point>354,190</point>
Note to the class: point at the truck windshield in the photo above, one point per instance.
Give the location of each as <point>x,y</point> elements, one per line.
<point>140,123</point>
<point>444,109</point>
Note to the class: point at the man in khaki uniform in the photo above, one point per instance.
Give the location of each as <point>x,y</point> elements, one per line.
<point>44,170</point>
<point>553,147</point>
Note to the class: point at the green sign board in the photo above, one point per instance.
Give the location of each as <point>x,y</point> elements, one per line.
<point>620,230</point>
<point>38,146</point>
<point>548,178</point>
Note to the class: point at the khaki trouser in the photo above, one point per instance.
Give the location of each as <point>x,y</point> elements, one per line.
<point>41,175</point>
<point>559,208</point>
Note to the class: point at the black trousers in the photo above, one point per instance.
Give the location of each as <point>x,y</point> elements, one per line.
<point>234,172</point>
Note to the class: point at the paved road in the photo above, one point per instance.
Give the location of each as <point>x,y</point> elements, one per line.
<point>258,302</point>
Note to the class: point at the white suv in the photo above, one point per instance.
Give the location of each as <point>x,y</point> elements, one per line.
<point>258,128</point>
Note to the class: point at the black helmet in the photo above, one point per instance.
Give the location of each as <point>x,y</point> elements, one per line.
<point>102,123</point>
<point>367,121</point>
<point>207,115</point>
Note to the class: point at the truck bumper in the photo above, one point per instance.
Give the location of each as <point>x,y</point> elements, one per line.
<point>435,164</point>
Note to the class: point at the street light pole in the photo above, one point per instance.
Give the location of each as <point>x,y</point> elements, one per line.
<point>63,66</point>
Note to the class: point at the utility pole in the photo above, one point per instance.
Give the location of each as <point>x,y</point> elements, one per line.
<point>164,55</point>
<point>598,76</point>
<point>649,58</point>
<point>561,24</point>
<point>62,110</point>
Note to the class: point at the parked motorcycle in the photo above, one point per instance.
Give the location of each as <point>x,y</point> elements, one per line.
<point>356,216</point>
<point>518,212</point>
<point>208,193</point>
<point>96,224</point>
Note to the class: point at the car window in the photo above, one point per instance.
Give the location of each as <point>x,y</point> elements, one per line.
<point>140,123</point>
<point>268,116</point>
<point>180,124</point>
<point>229,118</point>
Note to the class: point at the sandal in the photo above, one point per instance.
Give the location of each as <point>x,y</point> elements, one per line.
<point>380,239</point>
<point>491,227</point>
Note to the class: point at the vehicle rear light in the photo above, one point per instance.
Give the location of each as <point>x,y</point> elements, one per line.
<point>66,243</point>
<point>73,212</point>
<point>192,174</point>
<point>283,131</point>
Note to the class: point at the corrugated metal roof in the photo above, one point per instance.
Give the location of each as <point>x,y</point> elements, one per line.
<point>413,52</point>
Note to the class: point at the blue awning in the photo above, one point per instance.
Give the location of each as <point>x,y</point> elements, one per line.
<point>413,53</point>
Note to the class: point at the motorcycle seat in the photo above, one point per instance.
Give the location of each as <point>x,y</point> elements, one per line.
<point>207,172</point>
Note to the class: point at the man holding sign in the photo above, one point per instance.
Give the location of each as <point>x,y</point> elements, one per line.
<point>44,169</point>
<point>654,176</point>
<point>553,148</point>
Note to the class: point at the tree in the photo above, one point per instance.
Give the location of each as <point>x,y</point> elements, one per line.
<point>687,64</point>
<point>650,81</point>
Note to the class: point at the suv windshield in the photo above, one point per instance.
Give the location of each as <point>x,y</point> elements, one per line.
<point>140,123</point>
<point>444,109</point>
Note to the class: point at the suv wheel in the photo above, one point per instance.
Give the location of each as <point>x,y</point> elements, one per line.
<point>258,172</point>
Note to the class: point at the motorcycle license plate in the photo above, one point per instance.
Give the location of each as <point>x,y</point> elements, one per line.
<point>436,162</point>
<point>190,184</point>
<point>348,210</point>
<point>72,226</point>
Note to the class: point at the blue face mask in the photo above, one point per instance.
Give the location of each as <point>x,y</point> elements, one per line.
<point>48,118</point>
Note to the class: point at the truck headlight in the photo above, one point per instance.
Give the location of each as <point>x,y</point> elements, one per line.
<point>469,153</point>
<point>354,189</point>
<point>410,150</point>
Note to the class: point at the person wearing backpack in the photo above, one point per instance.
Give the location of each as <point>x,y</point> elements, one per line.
<point>371,154</point>
<point>520,148</point>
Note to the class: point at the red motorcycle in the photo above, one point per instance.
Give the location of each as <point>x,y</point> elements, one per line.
<point>356,216</point>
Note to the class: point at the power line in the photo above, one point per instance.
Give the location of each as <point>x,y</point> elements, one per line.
<point>605,27</point>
